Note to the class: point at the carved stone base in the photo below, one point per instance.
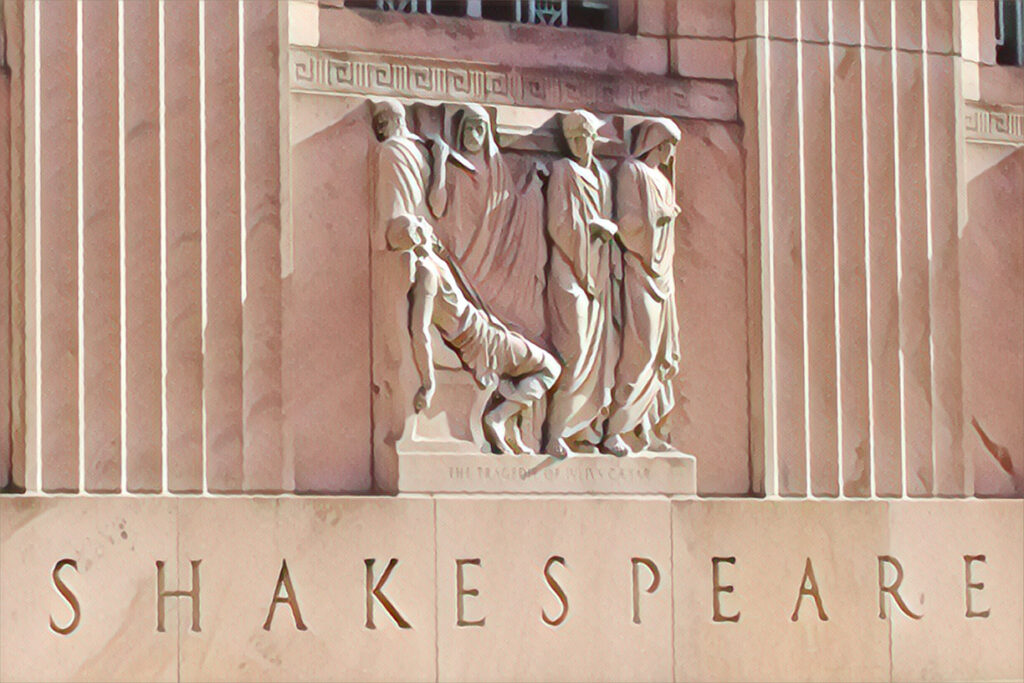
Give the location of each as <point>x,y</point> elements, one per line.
<point>667,474</point>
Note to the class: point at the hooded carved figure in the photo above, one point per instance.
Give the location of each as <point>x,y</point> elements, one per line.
<point>492,228</point>
<point>646,207</point>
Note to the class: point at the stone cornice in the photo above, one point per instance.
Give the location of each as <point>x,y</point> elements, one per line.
<point>422,78</point>
<point>993,125</point>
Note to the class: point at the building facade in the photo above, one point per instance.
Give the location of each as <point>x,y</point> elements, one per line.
<point>203,360</point>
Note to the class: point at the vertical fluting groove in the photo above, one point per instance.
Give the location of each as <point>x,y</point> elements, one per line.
<point>835,243</point>
<point>928,221</point>
<point>803,244</point>
<point>241,156</point>
<point>202,227</point>
<point>898,223</point>
<point>867,245</point>
<point>767,221</point>
<point>80,228</point>
<point>38,284</point>
<point>122,252</point>
<point>163,246</point>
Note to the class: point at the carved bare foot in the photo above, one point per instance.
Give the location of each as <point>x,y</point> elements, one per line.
<point>558,449</point>
<point>494,432</point>
<point>658,445</point>
<point>615,445</point>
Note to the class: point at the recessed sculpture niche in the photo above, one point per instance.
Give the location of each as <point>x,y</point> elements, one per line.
<point>535,272</point>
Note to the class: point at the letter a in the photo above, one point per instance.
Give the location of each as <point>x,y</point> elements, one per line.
<point>284,580</point>
<point>809,586</point>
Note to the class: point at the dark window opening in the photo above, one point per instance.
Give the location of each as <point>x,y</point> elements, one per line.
<point>1010,32</point>
<point>592,14</point>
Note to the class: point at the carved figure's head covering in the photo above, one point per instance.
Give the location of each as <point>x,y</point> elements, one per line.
<point>475,112</point>
<point>650,133</point>
<point>386,106</point>
<point>581,122</point>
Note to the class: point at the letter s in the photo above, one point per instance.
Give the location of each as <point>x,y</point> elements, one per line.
<point>557,590</point>
<point>63,589</point>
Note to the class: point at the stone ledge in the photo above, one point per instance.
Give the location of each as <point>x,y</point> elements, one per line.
<point>664,474</point>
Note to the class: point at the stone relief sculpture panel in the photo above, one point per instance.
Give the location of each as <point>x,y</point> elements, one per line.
<point>554,292</point>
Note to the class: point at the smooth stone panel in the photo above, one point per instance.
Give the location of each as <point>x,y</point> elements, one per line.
<point>939,22</point>
<point>814,21</point>
<point>770,555</point>
<point>991,254</point>
<point>931,538</point>
<point>877,23</point>
<point>787,270</point>
<point>846,22</point>
<point>242,544</point>
<point>909,30</point>
<point>703,58</point>
<point>944,279</point>
<point>58,248</point>
<point>711,416</point>
<point>115,543</point>
<point>222,359</point>
<point>915,327</point>
<point>101,248</point>
<point>514,540</point>
<point>142,246</point>
<point>704,18</point>
<point>639,473</point>
<point>264,463</point>
<point>182,239</point>
<point>852,280</point>
<point>883,303</point>
<point>327,310</point>
<point>819,229</point>
<point>6,450</point>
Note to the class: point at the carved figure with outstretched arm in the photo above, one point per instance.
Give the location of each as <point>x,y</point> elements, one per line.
<point>517,371</point>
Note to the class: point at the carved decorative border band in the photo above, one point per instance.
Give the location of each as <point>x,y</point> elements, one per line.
<point>343,72</point>
<point>1000,126</point>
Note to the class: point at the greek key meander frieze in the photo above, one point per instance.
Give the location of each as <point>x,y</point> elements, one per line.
<point>994,126</point>
<point>343,72</point>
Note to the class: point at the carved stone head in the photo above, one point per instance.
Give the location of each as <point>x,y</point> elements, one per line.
<point>655,140</point>
<point>580,130</point>
<point>388,119</point>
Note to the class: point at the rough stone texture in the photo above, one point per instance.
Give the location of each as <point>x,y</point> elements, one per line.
<point>115,543</point>
<point>58,249</point>
<point>222,359</point>
<point>142,246</point>
<point>840,540</point>
<point>514,539</point>
<point>909,35</point>
<point>992,304</point>
<point>878,24</point>
<point>183,321</point>
<point>931,538</point>
<point>101,248</point>
<point>324,543</point>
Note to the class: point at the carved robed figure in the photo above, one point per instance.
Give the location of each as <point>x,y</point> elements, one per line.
<point>492,226</point>
<point>645,202</point>
<point>580,289</point>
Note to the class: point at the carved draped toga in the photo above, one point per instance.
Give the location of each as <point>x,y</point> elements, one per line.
<point>650,327</point>
<point>580,298</point>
